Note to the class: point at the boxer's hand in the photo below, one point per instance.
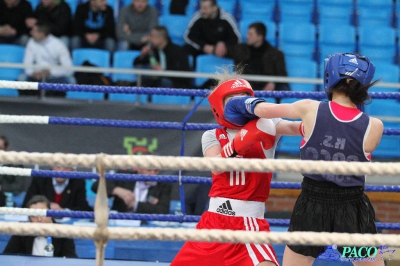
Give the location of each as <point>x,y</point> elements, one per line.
<point>240,109</point>
<point>259,130</point>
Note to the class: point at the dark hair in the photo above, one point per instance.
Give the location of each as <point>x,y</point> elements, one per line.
<point>213,2</point>
<point>162,31</point>
<point>5,139</point>
<point>43,27</point>
<point>260,28</point>
<point>357,93</point>
<point>38,199</point>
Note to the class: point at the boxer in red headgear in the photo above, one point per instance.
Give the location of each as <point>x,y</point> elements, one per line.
<point>237,198</point>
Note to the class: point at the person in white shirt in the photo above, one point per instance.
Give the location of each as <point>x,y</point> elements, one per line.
<point>34,245</point>
<point>46,50</point>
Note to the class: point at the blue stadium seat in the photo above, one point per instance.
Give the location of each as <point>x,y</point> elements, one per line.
<point>332,39</point>
<point>210,64</point>
<point>374,40</point>
<point>387,73</point>
<point>294,50</point>
<point>257,8</point>
<point>303,35</point>
<point>98,57</point>
<point>271,27</point>
<point>170,99</point>
<point>301,68</point>
<point>124,59</point>
<point>34,3</point>
<point>229,6</point>
<point>297,11</point>
<point>382,37</point>
<point>176,25</point>
<point>10,54</point>
<point>329,14</point>
<point>289,144</point>
<point>374,17</point>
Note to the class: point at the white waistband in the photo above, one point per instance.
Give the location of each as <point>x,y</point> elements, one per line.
<point>233,207</point>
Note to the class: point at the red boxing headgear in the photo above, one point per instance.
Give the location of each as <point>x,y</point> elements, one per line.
<point>217,96</point>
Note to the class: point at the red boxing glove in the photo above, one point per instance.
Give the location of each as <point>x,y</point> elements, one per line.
<point>258,130</point>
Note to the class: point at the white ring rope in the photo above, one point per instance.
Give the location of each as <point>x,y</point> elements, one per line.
<point>26,119</point>
<point>5,170</point>
<point>173,234</point>
<point>23,211</point>
<point>201,164</point>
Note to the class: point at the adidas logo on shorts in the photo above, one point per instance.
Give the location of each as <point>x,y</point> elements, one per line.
<point>226,209</point>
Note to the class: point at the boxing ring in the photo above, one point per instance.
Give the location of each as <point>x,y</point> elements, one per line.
<point>103,233</point>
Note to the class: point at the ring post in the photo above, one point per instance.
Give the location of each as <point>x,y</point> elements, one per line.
<point>101,213</point>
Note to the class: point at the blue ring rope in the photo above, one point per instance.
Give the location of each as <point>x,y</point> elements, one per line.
<point>58,120</point>
<point>194,92</point>
<point>175,218</point>
<point>185,179</point>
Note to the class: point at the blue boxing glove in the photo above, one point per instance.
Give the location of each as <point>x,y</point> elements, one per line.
<point>240,109</point>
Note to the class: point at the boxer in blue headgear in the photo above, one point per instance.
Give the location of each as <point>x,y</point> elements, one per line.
<point>333,131</point>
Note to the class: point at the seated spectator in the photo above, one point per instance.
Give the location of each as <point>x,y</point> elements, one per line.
<point>56,14</point>
<point>258,57</point>
<point>10,183</point>
<point>37,53</point>
<point>34,245</point>
<point>140,196</point>
<point>94,26</point>
<point>13,14</point>
<point>63,193</point>
<point>162,54</point>
<point>208,27</point>
<point>135,22</point>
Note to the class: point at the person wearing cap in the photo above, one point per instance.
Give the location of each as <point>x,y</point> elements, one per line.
<point>237,198</point>
<point>336,130</point>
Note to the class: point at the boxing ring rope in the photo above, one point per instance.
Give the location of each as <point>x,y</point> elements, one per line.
<point>78,121</point>
<point>171,73</point>
<point>200,164</point>
<point>145,217</point>
<point>15,171</point>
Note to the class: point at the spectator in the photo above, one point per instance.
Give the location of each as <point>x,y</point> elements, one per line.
<point>208,27</point>
<point>63,193</point>
<point>13,14</point>
<point>162,54</point>
<point>140,196</point>
<point>258,57</point>
<point>10,183</point>
<point>34,245</point>
<point>134,24</point>
<point>94,26</point>
<point>55,13</point>
<point>37,52</point>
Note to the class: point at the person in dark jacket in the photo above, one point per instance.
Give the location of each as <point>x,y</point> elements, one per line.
<point>140,196</point>
<point>63,193</point>
<point>34,245</point>
<point>162,54</point>
<point>13,14</point>
<point>258,57</point>
<point>94,26</point>
<point>208,27</point>
<point>56,14</point>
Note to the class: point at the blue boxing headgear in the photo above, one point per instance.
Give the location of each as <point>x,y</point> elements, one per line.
<point>341,66</point>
